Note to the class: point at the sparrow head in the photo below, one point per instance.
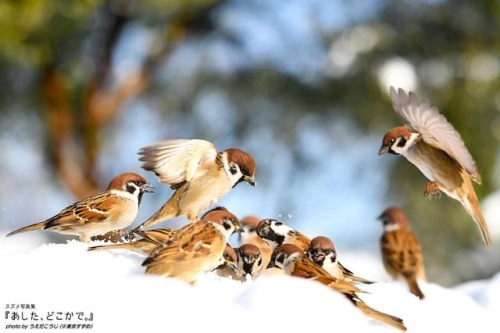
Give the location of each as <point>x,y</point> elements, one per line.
<point>398,140</point>
<point>218,208</point>
<point>272,231</point>
<point>229,259</point>
<point>394,219</point>
<point>239,166</point>
<point>321,249</point>
<point>248,226</point>
<point>283,255</point>
<point>249,259</point>
<point>223,217</point>
<point>131,183</point>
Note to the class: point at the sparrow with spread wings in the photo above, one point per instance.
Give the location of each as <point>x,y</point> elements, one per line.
<point>199,174</point>
<point>431,143</point>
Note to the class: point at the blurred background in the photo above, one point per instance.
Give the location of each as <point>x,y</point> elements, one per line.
<point>301,85</point>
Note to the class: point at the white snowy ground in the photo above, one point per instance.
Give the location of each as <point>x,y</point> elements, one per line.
<point>58,279</point>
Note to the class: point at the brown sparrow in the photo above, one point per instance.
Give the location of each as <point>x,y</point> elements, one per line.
<point>294,262</point>
<point>248,235</point>
<point>323,253</point>
<point>194,249</point>
<point>401,251</point>
<point>431,143</point>
<point>199,174</point>
<point>276,233</point>
<point>250,260</point>
<point>228,265</point>
<point>116,208</point>
<point>150,239</point>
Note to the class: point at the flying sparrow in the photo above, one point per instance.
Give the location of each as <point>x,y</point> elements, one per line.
<point>401,251</point>
<point>228,265</point>
<point>116,208</point>
<point>194,249</point>
<point>294,262</point>
<point>250,260</point>
<point>323,253</point>
<point>199,174</point>
<point>145,245</point>
<point>431,143</point>
<point>276,233</point>
<point>248,235</point>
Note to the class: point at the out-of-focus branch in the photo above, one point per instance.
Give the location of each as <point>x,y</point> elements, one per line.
<point>61,132</point>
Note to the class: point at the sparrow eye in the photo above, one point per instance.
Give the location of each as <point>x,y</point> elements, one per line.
<point>278,223</point>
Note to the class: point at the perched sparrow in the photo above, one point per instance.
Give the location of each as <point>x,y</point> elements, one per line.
<point>294,262</point>
<point>323,253</point>
<point>195,248</point>
<point>228,265</point>
<point>248,235</point>
<point>116,208</point>
<point>401,251</point>
<point>199,174</point>
<point>431,143</point>
<point>150,239</point>
<point>276,233</point>
<point>250,260</point>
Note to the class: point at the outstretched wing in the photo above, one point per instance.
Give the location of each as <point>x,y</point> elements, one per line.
<point>176,161</point>
<point>435,130</point>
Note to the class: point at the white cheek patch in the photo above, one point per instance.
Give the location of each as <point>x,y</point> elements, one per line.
<point>227,168</point>
<point>281,229</point>
<point>391,227</point>
<point>125,194</point>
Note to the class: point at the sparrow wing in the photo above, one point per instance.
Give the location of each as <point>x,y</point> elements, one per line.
<point>176,161</point>
<point>435,130</point>
<point>298,239</point>
<point>94,209</point>
<point>191,243</point>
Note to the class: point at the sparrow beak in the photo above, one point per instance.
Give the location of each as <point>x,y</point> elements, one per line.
<point>250,180</point>
<point>383,150</point>
<point>232,265</point>
<point>148,188</point>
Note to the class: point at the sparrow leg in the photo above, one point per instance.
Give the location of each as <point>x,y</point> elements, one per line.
<point>432,190</point>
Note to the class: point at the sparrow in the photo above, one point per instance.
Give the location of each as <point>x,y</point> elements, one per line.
<point>115,208</point>
<point>249,259</point>
<point>401,250</point>
<point>294,262</point>
<point>228,265</point>
<point>150,239</point>
<point>276,233</point>
<point>248,235</point>
<point>194,249</point>
<point>199,174</point>
<point>431,143</point>
<point>323,253</point>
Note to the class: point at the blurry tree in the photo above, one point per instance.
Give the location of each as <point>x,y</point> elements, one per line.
<point>60,54</point>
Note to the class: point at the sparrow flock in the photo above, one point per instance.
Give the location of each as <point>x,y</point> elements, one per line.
<point>200,176</point>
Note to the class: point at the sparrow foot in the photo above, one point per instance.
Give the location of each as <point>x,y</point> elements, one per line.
<point>432,190</point>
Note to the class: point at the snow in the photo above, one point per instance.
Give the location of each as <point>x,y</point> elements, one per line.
<point>112,286</point>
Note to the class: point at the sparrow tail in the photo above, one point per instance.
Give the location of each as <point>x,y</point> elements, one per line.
<point>414,287</point>
<point>380,316</point>
<point>471,204</point>
<point>132,246</point>
<point>36,226</point>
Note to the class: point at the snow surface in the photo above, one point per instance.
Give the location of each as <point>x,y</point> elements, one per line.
<point>112,285</point>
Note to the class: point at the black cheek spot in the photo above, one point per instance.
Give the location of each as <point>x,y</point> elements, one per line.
<point>130,188</point>
<point>402,142</point>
